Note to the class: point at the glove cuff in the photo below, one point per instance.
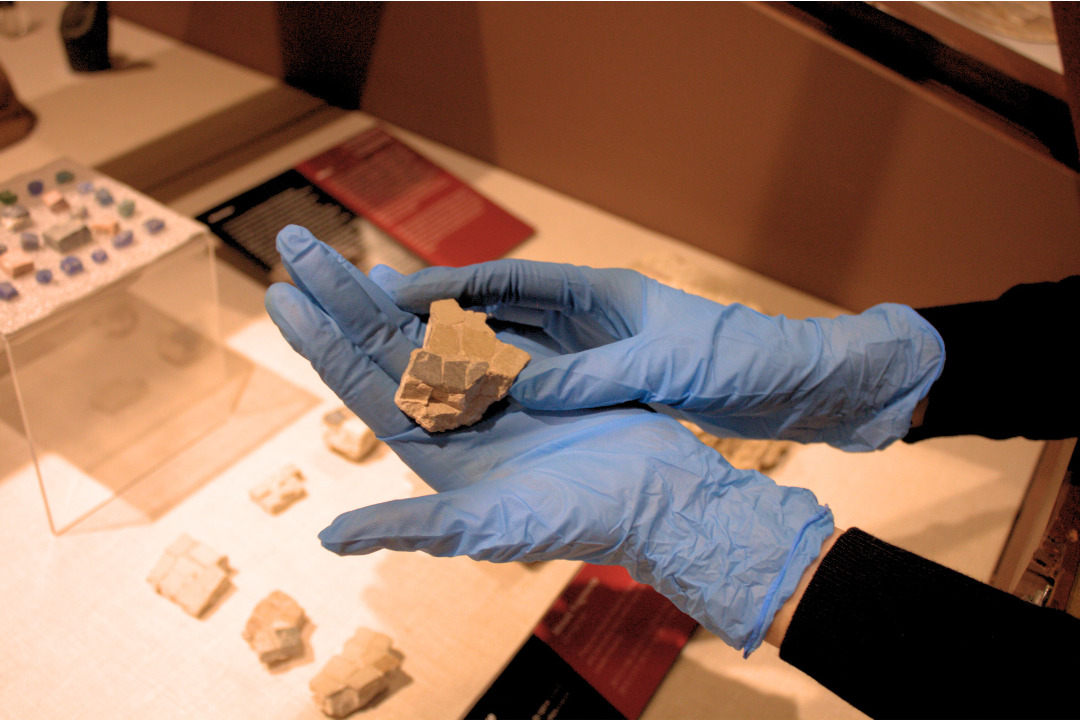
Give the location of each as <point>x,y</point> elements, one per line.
<point>762,537</point>
<point>804,549</point>
<point>898,360</point>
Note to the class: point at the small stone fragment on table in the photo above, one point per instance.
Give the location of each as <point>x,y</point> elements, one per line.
<point>180,345</point>
<point>760,455</point>
<point>15,263</point>
<point>461,370</point>
<point>67,236</point>
<point>279,491</point>
<point>351,679</point>
<point>275,627</point>
<point>347,435</point>
<point>105,226</point>
<point>15,217</point>
<point>191,574</point>
<point>54,201</point>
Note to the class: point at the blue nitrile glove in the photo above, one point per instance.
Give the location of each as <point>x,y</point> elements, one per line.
<point>852,381</point>
<point>618,485</point>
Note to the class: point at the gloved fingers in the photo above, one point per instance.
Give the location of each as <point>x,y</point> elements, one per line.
<point>361,383</point>
<point>470,521</point>
<point>395,283</point>
<point>608,375</point>
<point>299,238</point>
<point>336,285</point>
<point>506,283</point>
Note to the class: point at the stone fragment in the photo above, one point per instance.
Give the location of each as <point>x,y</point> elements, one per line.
<point>103,197</point>
<point>34,188</point>
<point>117,321</point>
<point>67,236</point>
<point>105,226</point>
<point>279,491</point>
<point>180,345</point>
<point>459,372</point>
<point>100,256</point>
<point>7,197</point>
<point>29,241</point>
<point>347,435</point>
<point>64,177</point>
<point>54,201</point>
<point>15,217</point>
<point>274,629</point>
<point>154,225</point>
<point>191,574</point>
<point>43,276</point>
<point>126,208</point>
<point>8,291</point>
<point>16,263</point>
<point>350,680</point>
<point>761,455</point>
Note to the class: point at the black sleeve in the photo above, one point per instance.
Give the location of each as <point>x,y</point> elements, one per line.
<point>901,637</point>
<point>1010,366</point>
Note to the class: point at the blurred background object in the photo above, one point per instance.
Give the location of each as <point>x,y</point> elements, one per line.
<point>16,120</point>
<point>84,27</point>
<point>14,21</point>
<point>1032,22</point>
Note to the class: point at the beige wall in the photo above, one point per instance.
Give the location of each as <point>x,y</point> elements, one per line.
<point>733,128</point>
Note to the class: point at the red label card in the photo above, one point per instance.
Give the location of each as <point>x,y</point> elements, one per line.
<point>423,206</point>
<point>621,636</point>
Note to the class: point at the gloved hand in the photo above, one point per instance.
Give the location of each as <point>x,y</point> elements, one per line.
<point>852,381</point>
<point>617,485</point>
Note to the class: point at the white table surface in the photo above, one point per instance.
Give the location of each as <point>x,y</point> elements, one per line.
<point>88,638</point>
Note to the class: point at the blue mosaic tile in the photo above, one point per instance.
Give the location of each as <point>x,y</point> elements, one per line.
<point>71,265</point>
<point>124,238</point>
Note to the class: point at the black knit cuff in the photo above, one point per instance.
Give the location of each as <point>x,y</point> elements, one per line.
<point>1009,366</point>
<point>899,636</point>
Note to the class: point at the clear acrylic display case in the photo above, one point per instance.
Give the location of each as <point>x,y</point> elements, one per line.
<point>110,374</point>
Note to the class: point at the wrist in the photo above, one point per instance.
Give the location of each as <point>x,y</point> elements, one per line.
<point>803,551</point>
<point>778,629</point>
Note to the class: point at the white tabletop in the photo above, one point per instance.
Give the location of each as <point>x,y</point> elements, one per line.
<point>87,637</point>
